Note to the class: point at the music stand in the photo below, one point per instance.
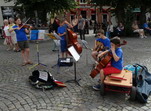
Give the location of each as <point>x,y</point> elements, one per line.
<point>34,36</point>
<point>55,36</point>
<point>56,41</point>
<point>85,45</point>
<point>76,57</point>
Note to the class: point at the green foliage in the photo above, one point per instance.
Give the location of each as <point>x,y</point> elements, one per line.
<point>44,6</point>
<point>123,10</point>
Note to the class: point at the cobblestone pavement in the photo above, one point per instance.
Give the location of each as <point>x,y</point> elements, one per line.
<point>16,94</point>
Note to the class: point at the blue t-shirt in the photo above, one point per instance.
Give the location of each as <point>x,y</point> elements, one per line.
<point>145,25</point>
<point>119,63</point>
<point>106,42</point>
<point>61,30</point>
<point>20,34</point>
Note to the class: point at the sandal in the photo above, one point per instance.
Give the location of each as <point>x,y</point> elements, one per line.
<point>25,63</point>
<point>29,63</point>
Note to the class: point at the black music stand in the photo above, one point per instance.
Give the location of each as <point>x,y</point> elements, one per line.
<point>76,57</point>
<point>34,36</point>
<point>54,36</point>
<point>85,45</point>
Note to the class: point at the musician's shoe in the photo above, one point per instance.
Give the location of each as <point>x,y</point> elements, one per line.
<point>97,87</point>
<point>29,62</point>
<point>24,63</point>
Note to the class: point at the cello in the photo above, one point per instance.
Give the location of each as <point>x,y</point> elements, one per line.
<point>103,62</point>
<point>72,41</point>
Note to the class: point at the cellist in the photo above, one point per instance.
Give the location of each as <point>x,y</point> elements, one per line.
<point>116,65</point>
<point>101,44</point>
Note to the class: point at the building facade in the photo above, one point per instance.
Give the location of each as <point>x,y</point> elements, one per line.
<point>90,11</point>
<point>6,10</point>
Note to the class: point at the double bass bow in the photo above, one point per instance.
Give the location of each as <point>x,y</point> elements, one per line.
<point>103,62</point>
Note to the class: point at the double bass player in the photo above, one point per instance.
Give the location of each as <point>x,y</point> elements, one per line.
<point>62,32</point>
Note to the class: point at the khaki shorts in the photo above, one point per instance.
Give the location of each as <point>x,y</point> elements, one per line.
<point>23,45</point>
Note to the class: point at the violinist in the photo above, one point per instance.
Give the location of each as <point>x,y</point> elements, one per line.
<point>22,40</point>
<point>62,32</point>
<point>116,64</point>
<point>101,44</point>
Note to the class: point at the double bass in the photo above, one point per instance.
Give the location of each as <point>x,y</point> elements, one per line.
<point>72,41</point>
<point>103,62</point>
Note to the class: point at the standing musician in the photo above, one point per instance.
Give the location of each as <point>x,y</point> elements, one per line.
<point>62,32</point>
<point>101,44</point>
<point>22,40</point>
<point>116,65</point>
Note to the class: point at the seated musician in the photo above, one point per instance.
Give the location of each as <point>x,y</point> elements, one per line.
<point>62,31</point>
<point>101,44</point>
<point>116,64</point>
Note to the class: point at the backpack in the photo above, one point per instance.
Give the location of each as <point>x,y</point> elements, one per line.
<point>132,68</point>
<point>44,80</point>
<point>143,83</point>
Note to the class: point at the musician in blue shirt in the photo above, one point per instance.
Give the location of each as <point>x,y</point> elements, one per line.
<point>102,40</point>
<point>22,41</point>
<point>62,31</point>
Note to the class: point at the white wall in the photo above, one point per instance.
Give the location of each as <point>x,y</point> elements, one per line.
<point>114,21</point>
<point>2,3</point>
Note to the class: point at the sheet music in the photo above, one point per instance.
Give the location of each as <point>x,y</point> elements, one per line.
<point>43,75</point>
<point>41,35</point>
<point>57,36</point>
<point>34,34</point>
<point>74,53</point>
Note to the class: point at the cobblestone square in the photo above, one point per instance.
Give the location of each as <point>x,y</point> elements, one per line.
<point>16,94</point>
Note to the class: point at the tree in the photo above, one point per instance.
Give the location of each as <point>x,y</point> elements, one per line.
<point>145,6</point>
<point>44,6</point>
<point>123,9</point>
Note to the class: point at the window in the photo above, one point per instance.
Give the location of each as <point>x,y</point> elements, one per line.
<point>82,1</point>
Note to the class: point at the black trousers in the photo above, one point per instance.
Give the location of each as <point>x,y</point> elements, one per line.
<point>82,34</point>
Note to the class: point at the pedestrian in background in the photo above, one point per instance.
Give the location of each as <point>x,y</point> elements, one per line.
<point>7,36</point>
<point>109,31</point>
<point>87,24</point>
<point>55,24</point>
<point>13,35</point>
<point>74,23</point>
<point>81,25</point>
<point>136,29</point>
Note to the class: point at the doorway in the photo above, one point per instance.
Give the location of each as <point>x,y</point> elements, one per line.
<point>83,13</point>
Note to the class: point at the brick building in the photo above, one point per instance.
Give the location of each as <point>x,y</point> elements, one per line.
<point>90,12</point>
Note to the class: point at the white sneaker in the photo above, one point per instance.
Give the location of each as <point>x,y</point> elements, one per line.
<point>141,37</point>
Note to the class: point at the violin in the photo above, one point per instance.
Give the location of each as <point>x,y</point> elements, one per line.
<point>103,62</point>
<point>25,26</point>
